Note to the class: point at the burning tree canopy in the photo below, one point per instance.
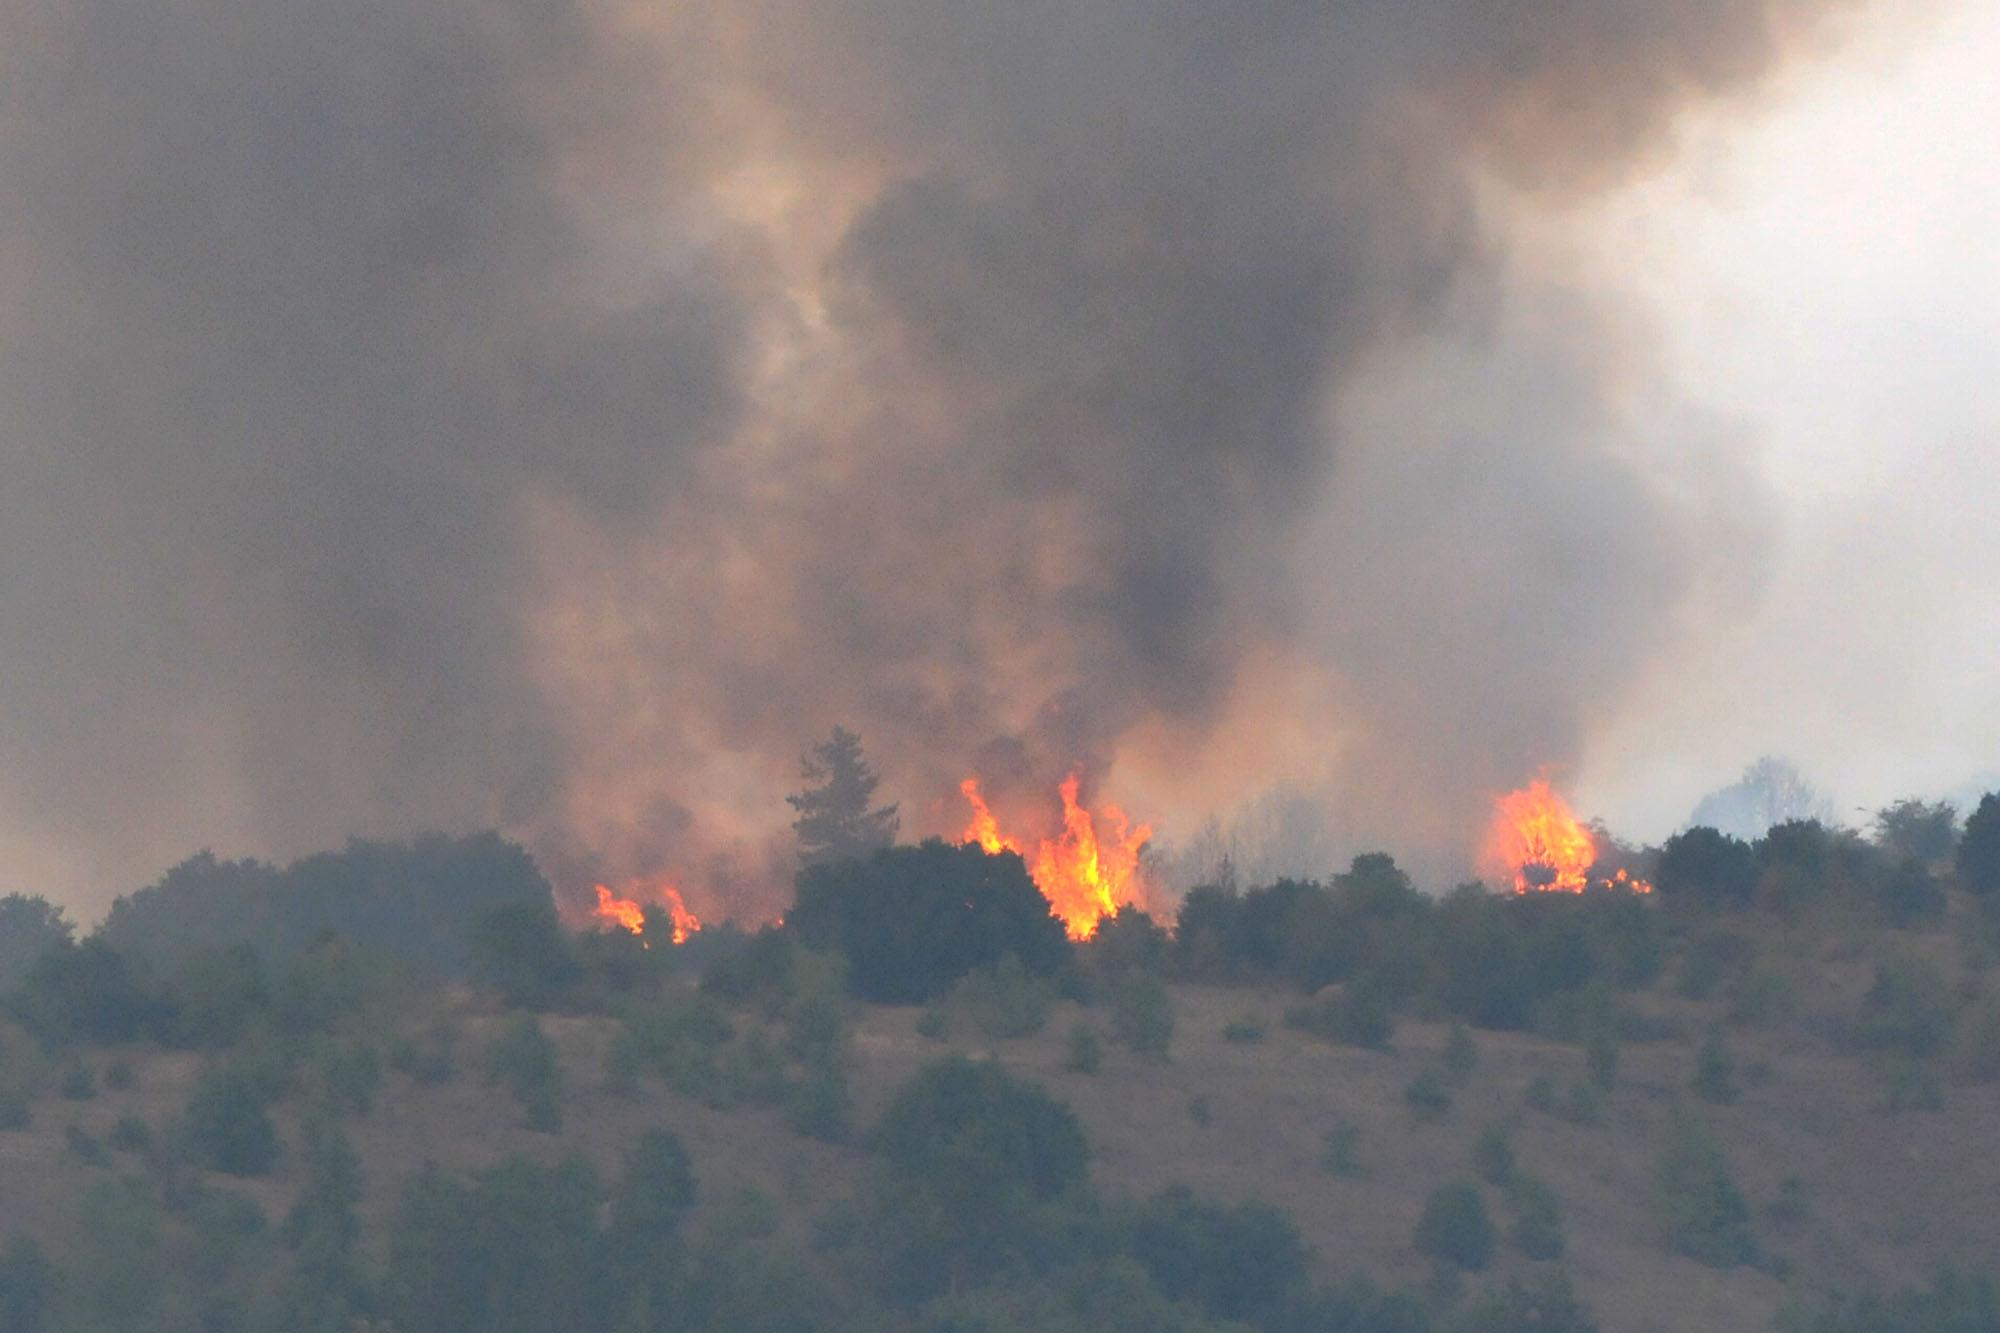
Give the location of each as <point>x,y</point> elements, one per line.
<point>1537,844</point>
<point>1085,878</point>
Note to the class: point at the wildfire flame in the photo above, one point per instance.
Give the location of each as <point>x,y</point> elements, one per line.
<point>1085,878</point>
<point>1540,844</point>
<point>628,914</point>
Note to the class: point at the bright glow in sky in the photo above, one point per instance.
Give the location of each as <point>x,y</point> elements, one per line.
<point>1830,277</point>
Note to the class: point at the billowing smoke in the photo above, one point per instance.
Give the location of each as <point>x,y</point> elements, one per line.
<point>556,414</point>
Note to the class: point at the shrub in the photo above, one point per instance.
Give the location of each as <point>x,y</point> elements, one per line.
<point>1201,1111</point>
<point>1455,1227</point>
<point>1976,1049</point>
<point>78,1084</point>
<point>1355,1015</point>
<point>118,1075</point>
<point>27,1287</point>
<point>430,1058</point>
<point>1907,1011</point>
<point>934,1023</point>
<point>1792,1206</point>
<point>1537,1228</point>
<point>131,1134</point>
<point>912,920</point>
<point>1142,1016</point>
<point>1703,1213</point>
<point>1582,1105</point>
<point>1541,1094</point>
<point>820,1105</point>
<point>1544,1305</point>
<point>1460,1057</point>
<point>1086,1052</point>
<point>1908,895</point>
<point>657,1189</point>
<point>1245,1030</point>
<point>1235,1263</point>
<point>1493,1155</point>
<point>982,1133</point>
<point>227,1124</point>
<point>349,1076</point>
<point>1002,1001</point>
<point>1715,1072</point>
<point>524,1060</point>
<point>15,1112</point>
<point>1428,1096</point>
<point>89,993</point>
<point>1600,1056</point>
<point>85,1147</point>
<point>1341,1158</point>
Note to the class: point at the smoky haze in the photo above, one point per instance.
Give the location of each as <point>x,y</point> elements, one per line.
<point>555,415</point>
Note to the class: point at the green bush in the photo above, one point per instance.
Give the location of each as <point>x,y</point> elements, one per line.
<point>1715,1071</point>
<point>131,1134</point>
<point>1142,1016</point>
<point>27,1287</point>
<point>1907,1011</point>
<point>522,951</point>
<point>1537,1228</point>
<point>1979,848</point>
<point>1545,1304</point>
<point>428,1058</point>
<point>912,920</point>
<point>1460,1057</point>
<point>1236,1263</point>
<point>1003,1000</point>
<point>1455,1227</point>
<point>78,1083</point>
<point>1493,1155</point>
<point>820,1106</point>
<point>934,1023</point>
<point>85,1147</point>
<point>1245,1030</point>
<point>118,1075</point>
<point>1355,1015</point>
<point>227,1124</point>
<point>1703,1214</point>
<point>524,1060</point>
<point>1541,1094</point>
<point>1342,1154</point>
<point>1428,1096</point>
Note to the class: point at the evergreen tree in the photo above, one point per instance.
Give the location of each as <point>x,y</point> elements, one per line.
<point>835,820</point>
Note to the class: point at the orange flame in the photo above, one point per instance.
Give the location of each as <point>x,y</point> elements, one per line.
<point>1537,842</point>
<point>1085,878</point>
<point>627,914</point>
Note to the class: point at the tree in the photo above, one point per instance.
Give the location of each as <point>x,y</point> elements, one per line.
<point>1979,848</point>
<point>228,1125</point>
<point>834,819</point>
<point>1705,1215</point>
<point>29,927</point>
<point>1703,865</point>
<point>1917,830</point>
<point>912,920</point>
<point>524,1059</point>
<point>1235,1263</point>
<point>522,951</point>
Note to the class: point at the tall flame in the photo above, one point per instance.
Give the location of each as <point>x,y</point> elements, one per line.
<point>628,914</point>
<point>1085,878</point>
<point>1540,844</point>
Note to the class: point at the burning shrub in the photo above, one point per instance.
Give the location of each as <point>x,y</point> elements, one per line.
<point>912,920</point>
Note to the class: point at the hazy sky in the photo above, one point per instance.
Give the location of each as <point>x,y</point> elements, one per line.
<point>1830,275</point>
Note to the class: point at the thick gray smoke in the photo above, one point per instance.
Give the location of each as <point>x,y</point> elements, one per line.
<point>555,415</point>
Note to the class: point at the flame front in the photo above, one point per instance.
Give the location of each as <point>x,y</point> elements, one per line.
<point>628,914</point>
<point>1540,844</point>
<point>1085,878</point>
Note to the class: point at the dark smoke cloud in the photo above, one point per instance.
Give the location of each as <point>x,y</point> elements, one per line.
<point>554,415</point>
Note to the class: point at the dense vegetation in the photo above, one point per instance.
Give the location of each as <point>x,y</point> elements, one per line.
<point>303,996</point>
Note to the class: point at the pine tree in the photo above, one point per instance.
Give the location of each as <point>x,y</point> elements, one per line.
<point>834,820</point>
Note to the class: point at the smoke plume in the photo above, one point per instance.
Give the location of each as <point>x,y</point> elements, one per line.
<point>555,415</point>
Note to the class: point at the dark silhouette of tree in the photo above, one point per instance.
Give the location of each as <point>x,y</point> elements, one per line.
<point>1917,830</point>
<point>912,920</point>
<point>228,1126</point>
<point>835,819</point>
<point>1979,848</point>
<point>523,952</point>
<point>1707,866</point>
<point>30,926</point>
